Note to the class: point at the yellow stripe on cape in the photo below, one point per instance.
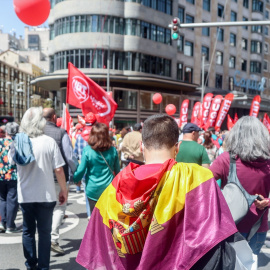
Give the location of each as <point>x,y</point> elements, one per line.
<point>169,195</point>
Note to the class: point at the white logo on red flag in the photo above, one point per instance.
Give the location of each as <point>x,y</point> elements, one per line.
<point>213,112</point>
<point>184,112</point>
<point>80,88</point>
<point>255,106</point>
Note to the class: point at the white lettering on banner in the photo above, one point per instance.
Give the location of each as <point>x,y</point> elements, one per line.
<point>80,88</point>
<point>256,108</point>
<point>206,106</point>
<point>184,115</point>
<point>225,109</point>
<point>108,106</point>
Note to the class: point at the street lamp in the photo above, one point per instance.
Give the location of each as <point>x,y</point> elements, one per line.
<point>15,89</point>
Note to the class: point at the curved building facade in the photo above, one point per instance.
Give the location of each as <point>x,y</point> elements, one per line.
<point>134,36</point>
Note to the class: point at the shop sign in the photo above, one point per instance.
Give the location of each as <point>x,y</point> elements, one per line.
<point>249,84</point>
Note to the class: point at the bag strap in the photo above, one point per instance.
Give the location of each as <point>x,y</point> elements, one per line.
<point>106,163</point>
<point>256,226</point>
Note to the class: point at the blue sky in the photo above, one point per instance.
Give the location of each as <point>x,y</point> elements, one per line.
<point>8,19</point>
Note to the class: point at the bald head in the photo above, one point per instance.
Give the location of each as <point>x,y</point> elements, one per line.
<point>49,114</point>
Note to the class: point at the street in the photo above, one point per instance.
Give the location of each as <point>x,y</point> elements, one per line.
<point>71,233</point>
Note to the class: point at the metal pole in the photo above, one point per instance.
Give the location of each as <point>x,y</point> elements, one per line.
<point>14,98</point>
<point>202,91</point>
<point>224,24</point>
<point>28,98</point>
<point>108,65</point>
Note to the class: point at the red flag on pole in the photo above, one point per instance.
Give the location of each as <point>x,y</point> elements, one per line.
<point>224,108</point>
<point>67,122</point>
<point>84,93</point>
<point>266,121</point>
<point>230,122</point>
<point>235,118</point>
<point>215,105</point>
<point>195,113</point>
<point>206,108</point>
<point>255,106</point>
<point>184,112</point>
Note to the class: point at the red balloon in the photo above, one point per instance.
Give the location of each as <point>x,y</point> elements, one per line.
<point>32,12</point>
<point>170,109</point>
<point>157,98</point>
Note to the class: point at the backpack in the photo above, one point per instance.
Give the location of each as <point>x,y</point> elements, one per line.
<point>238,199</point>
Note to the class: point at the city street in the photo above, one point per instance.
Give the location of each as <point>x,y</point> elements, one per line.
<point>11,252</point>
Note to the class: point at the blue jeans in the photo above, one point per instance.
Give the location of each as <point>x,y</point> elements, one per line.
<point>8,203</point>
<point>37,215</point>
<point>256,242</point>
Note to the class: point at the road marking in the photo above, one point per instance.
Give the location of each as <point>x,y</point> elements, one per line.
<point>70,223</point>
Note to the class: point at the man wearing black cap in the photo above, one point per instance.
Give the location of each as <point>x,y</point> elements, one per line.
<point>189,150</point>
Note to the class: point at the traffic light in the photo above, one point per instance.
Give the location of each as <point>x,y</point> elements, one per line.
<point>175,28</point>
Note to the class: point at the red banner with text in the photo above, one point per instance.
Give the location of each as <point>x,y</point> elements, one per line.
<point>215,105</point>
<point>255,106</point>
<point>184,112</point>
<point>224,108</point>
<point>195,113</point>
<point>206,108</point>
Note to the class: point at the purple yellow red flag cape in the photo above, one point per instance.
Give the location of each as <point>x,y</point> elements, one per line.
<point>168,220</point>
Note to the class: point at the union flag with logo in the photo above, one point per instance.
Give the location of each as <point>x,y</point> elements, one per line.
<point>84,93</point>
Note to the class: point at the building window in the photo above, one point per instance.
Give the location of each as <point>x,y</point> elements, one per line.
<point>257,5</point>
<point>220,34</point>
<point>266,30</point>
<point>232,62</point>
<point>188,50</point>
<point>245,3</point>
<point>232,39</point>
<point>205,51</point>
<point>219,58</point>
<point>206,31</point>
<point>180,44</point>
<point>255,67</point>
<point>244,20</point>
<point>219,81</point>
<point>244,65</point>
<point>231,83</point>
<point>233,16</point>
<point>180,71</point>
<point>206,4</point>
<point>256,46</point>
<point>267,14</point>
<point>266,48</point>
<point>244,44</point>
<point>33,42</point>
<point>265,65</point>
<point>188,74</point>
<point>190,19</point>
<point>191,1</point>
<point>220,10</point>
<point>256,28</point>
<point>181,14</point>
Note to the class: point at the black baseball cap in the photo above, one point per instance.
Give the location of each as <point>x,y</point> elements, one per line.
<point>189,127</point>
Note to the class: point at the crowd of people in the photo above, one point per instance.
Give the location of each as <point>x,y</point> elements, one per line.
<point>150,189</point>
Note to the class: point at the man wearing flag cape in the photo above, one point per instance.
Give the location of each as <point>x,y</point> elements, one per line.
<point>162,215</point>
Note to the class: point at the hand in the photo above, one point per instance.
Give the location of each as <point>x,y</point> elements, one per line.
<point>131,157</point>
<point>62,197</point>
<point>261,204</point>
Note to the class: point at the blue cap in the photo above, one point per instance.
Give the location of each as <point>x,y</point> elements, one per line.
<point>189,127</point>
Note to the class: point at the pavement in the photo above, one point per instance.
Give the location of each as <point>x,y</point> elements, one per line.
<point>71,234</point>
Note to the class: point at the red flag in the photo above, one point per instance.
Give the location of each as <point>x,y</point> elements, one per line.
<point>230,122</point>
<point>67,122</point>
<point>255,106</point>
<point>84,93</point>
<point>215,105</point>
<point>206,108</point>
<point>177,120</point>
<point>266,121</point>
<point>195,113</point>
<point>184,112</point>
<point>235,118</point>
<point>224,108</point>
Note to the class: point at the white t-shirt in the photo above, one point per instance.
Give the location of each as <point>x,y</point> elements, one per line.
<point>35,180</point>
